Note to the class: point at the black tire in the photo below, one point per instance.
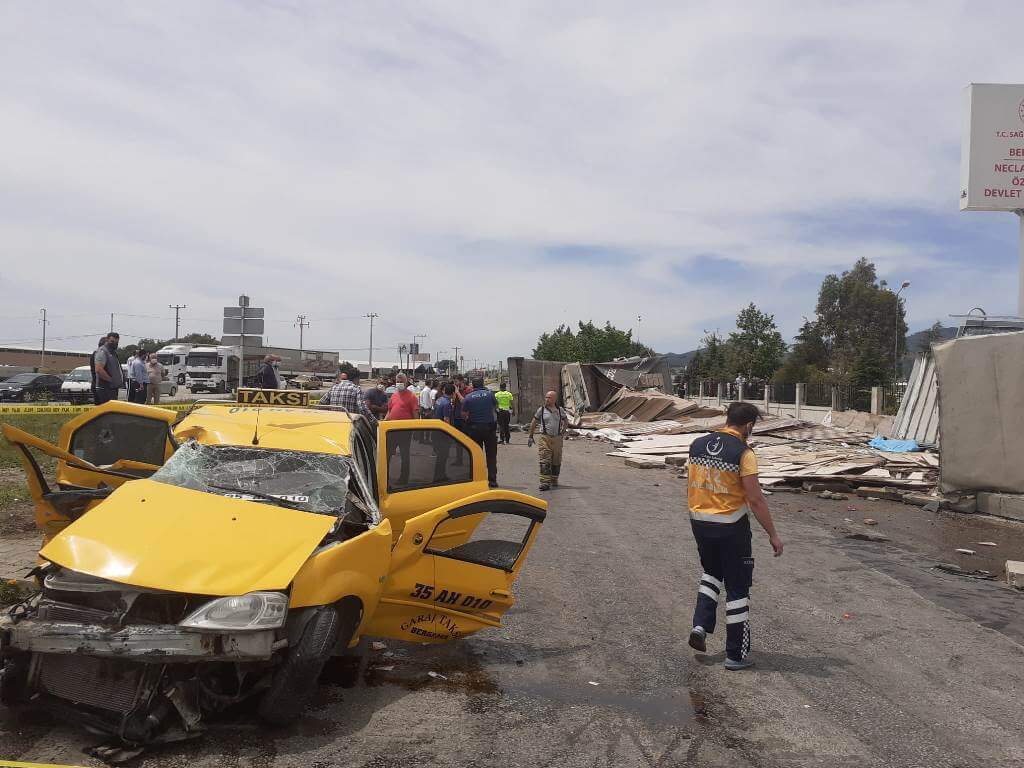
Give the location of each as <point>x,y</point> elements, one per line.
<point>294,682</point>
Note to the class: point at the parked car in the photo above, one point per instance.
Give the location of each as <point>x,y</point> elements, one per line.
<point>26,387</point>
<point>77,387</point>
<point>306,381</point>
<point>191,564</point>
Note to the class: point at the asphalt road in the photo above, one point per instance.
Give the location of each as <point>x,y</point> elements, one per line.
<point>867,656</point>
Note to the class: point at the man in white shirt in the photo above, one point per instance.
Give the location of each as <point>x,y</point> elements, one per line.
<point>427,396</point>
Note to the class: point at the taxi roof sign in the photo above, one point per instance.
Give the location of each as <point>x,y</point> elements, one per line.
<point>288,397</point>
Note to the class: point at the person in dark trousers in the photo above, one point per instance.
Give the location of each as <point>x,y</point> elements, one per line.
<point>442,442</point>
<point>92,368</point>
<point>266,376</point>
<point>138,377</point>
<point>479,415</point>
<point>504,398</point>
<point>109,376</point>
<point>722,487</point>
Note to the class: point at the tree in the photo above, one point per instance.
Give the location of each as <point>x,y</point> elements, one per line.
<point>808,359</point>
<point>199,338</point>
<point>349,369</point>
<point>860,321</point>
<point>755,349</point>
<point>560,345</point>
<point>710,360</point>
<point>589,344</point>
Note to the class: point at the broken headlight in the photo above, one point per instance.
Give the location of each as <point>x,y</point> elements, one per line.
<point>256,610</point>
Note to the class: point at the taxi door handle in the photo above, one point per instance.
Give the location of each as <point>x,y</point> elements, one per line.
<point>501,593</point>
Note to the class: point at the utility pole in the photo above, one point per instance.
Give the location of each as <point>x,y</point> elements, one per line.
<point>177,319</point>
<point>111,322</point>
<point>456,359</point>
<point>372,316</point>
<point>42,353</point>
<point>302,323</point>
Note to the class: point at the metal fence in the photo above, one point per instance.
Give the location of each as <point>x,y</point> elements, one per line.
<point>783,393</point>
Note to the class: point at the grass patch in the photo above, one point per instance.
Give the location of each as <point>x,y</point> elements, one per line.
<point>44,425</point>
<point>13,493</point>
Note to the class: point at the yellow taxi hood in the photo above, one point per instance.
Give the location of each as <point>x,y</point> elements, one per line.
<point>150,534</point>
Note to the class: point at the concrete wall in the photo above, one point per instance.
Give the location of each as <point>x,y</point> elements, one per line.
<point>55,362</point>
<point>814,413</point>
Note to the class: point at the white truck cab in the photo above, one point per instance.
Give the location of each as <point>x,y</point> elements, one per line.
<point>212,369</point>
<point>173,359</point>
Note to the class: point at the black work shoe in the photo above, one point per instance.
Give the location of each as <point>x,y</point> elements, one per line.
<point>698,639</point>
<point>544,487</point>
<point>492,484</point>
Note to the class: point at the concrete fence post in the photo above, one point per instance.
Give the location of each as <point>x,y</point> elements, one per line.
<point>741,391</point>
<point>721,391</point>
<point>700,390</point>
<point>767,396</point>
<point>876,401</point>
<point>798,405</point>
<point>835,398</point>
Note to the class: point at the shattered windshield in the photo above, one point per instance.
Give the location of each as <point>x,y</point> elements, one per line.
<point>312,482</point>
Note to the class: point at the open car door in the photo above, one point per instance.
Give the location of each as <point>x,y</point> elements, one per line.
<point>424,464</point>
<point>96,452</point>
<point>453,568</point>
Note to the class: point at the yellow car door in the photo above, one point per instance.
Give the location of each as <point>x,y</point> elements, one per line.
<point>442,587</point>
<point>423,464</point>
<point>96,452</point>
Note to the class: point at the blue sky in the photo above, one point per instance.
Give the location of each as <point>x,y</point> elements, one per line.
<point>481,173</point>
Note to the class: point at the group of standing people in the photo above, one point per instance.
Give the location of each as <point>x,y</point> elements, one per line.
<point>108,378</point>
<point>469,406</point>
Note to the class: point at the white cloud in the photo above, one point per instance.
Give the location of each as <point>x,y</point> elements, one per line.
<point>417,159</point>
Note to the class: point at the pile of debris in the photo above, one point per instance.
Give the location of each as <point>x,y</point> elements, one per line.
<point>793,454</point>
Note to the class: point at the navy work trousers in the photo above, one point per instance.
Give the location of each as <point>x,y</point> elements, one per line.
<point>725,556</point>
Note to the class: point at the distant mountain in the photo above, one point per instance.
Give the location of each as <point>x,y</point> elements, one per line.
<point>915,341</point>
<point>678,359</point>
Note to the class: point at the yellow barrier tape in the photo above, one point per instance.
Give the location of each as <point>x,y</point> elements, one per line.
<point>9,764</point>
<point>31,409</point>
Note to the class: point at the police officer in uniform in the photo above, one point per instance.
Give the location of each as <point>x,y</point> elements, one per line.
<point>722,488</point>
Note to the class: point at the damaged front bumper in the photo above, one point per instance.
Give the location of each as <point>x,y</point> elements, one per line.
<point>156,643</point>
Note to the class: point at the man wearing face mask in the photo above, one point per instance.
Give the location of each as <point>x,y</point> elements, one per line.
<point>722,487</point>
<point>377,400</point>
<point>403,405</point>
<point>109,376</point>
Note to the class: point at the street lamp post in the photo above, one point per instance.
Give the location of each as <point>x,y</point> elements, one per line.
<point>896,341</point>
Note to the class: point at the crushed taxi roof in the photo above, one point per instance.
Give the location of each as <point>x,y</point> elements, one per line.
<point>280,428</point>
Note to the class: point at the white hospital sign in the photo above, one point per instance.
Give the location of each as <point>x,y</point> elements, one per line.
<point>992,156</point>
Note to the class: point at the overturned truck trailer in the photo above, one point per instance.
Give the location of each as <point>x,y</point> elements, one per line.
<point>582,387</point>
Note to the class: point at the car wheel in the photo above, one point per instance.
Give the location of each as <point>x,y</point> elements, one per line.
<point>173,392</point>
<point>294,682</point>
<point>28,397</point>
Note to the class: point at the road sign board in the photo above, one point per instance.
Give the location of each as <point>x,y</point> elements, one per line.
<point>250,312</point>
<point>234,325</point>
<point>992,155</point>
<point>236,341</point>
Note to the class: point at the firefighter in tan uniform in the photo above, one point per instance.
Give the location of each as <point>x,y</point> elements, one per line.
<point>722,488</point>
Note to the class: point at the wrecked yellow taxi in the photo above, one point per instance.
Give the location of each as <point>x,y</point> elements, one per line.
<point>191,562</point>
